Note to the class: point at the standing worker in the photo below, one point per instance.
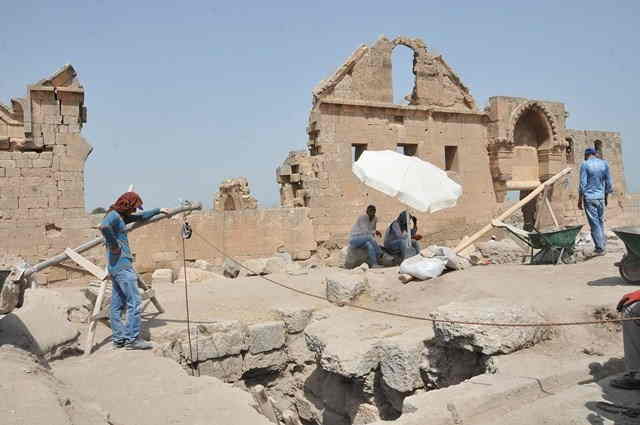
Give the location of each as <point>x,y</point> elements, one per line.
<point>594,190</point>
<point>629,305</point>
<point>120,266</point>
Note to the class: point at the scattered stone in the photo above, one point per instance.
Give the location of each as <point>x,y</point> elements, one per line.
<point>354,257</point>
<point>345,287</point>
<point>505,251</point>
<point>202,265</point>
<point>231,269</point>
<point>295,319</point>
<point>301,255</point>
<point>295,269</point>
<point>256,266</point>
<point>489,340</point>
<point>196,275</point>
<point>266,336</point>
<point>162,276</point>
<point>276,264</point>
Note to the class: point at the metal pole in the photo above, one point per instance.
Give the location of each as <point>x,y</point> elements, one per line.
<point>88,245</point>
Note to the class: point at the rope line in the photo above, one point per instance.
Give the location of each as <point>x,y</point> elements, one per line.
<point>413,317</point>
<point>183,237</point>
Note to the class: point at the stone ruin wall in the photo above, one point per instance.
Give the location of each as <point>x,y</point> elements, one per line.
<point>42,156</point>
<point>513,144</point>
<point>42,206</point>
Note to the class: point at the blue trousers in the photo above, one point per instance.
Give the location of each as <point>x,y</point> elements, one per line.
<point>125,296</point>
<point>400,246</point>
<point>594,209</point>
<point>367,241</point>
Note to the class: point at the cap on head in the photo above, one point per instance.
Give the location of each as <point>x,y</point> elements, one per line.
<point>589,151</point>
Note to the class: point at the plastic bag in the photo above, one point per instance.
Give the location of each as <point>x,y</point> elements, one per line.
<point>422,268</point>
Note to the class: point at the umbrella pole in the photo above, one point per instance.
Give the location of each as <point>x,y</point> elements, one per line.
<point>406,216</point>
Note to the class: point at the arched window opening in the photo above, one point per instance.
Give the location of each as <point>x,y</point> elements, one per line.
<point>531,129</point>
<point>597,145</point>
<point>570,151</point>
<point>403,80</point>
<point>229,205</point>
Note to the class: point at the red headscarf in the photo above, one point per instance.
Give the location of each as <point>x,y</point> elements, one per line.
<point>128,201</point>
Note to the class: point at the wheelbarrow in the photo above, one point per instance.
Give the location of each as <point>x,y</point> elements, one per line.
<point>553,244</point>
<point>629,266</point>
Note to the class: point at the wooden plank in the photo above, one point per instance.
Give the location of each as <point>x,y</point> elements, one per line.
<point>143,285</point>
<point>92,325</point>
<point>553,216</point>
<point>86,264</point>
<point>466,242</point>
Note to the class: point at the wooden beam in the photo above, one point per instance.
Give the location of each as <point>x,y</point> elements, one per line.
<point>92,325</point>
<point>553,216</point>
<point>86,264</point>
<point>466,242</point>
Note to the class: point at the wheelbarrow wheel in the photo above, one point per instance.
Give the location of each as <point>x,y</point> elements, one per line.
<point>569,256</point>
<point>629,270</point>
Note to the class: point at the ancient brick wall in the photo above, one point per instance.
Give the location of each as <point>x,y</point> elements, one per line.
<point>42,157</point>
<point>513,145</point>
<point>241,234</point>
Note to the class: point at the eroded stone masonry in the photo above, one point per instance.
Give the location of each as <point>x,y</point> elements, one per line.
<point>513,144</point>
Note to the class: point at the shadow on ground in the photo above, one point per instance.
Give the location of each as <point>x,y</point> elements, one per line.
<point>610,281</point>
<point>620,407</point>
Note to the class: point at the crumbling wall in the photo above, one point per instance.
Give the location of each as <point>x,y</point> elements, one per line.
<point>513,145</point>
<point>42,157</point>
<point>241,234</point>
<point>234,194</point>
<point>366,76</point>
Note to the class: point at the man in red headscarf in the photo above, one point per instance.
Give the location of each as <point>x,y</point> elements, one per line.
<point>120,265</point>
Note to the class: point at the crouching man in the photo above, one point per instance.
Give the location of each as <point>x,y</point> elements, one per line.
<point>629,305</point>
<point>125,295</point>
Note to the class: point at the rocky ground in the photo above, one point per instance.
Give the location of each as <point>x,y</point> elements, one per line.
<point>327,364</point>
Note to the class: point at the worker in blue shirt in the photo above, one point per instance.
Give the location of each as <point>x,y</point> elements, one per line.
<point>120,266</point>
<point>594,190</point>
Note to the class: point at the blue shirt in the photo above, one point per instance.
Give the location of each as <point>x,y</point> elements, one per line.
<point>114,230</point>
<point>595,178</point>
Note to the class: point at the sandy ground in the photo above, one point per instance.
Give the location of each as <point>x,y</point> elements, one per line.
<point>141,388</point>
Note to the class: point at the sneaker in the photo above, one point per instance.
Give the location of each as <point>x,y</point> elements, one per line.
<point>138,344</point>
<point>118,345</point>
<point>377,266</point>
<point>628,381</point>
<point>599,252</point>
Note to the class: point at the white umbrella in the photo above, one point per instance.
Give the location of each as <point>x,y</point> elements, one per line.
<point>412,181</point>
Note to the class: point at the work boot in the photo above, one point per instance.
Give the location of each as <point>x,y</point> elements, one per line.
<point>628,381</point>
<point>138,344</point>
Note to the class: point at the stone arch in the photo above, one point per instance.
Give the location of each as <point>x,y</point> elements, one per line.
<point>538,119</point>
<point>415,46</point>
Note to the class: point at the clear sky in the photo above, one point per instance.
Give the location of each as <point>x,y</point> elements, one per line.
<point>182,95</point>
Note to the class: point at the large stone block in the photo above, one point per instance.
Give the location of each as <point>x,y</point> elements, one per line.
<point>41,326</point>
<point>271,361</point>
<point>295,319</point>
<point>342,287</point>
<point>222,339</point>
<point>196,275</point>
<point>489,340</point>
<point>227,369</point>
<point>266,336</point>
